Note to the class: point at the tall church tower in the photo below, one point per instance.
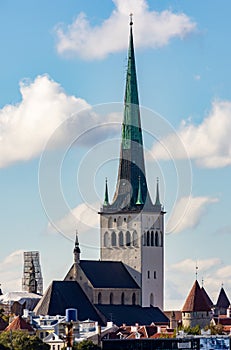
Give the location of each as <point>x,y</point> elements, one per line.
<point>132,227</point>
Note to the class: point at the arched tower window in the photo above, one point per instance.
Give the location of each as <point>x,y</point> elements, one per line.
<point>106,239</point>
<point>113,239</point>
<point>121,239</point>
<point>161,239</point>
<point>99,298</point>
<point>122,298</point>
<point>152,238</point>
<point>156,239</point>
<point>151,299</point>
<point>135,239</point>
<point>133,298</point>
<point>129,222</point>
<point>111,298</point>
<point>110,222</point>
<point>119,222</point>
<point>148,238</point>
<point>128,239</point>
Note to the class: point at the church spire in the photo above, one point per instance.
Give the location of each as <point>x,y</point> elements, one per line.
<point>131,174</point>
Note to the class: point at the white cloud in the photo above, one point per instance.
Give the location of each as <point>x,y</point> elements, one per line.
<point>207,143</point>
<point>83,217</point>
<point>44,111</point>
<point>152,29</point>
<point>187,213</point>
<point>11,272</point>
<point>188,265</point>
<point>25,127</point>
<point>211,271</point>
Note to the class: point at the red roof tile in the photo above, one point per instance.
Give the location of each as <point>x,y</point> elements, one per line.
<point>195,300</point>
<point>19,324</point>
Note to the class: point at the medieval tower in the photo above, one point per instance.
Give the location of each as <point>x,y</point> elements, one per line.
<point>132,226</point>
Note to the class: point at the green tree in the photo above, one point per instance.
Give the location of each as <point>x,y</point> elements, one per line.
<point>215,329</point>
<point>21,340</point>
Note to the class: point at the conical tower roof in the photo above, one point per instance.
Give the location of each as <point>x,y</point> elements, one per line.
<point>19,324</point>
<point>195,300</point>
<point>222,301</point>
<point>207,298</point>
<point>131,180</point>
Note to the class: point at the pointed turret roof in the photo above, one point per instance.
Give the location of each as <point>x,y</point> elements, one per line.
<point>207,298</point>
<point>19,324</point>
<point>131,166</point>
<point>195,300</point>
<point>76,249</point>
<point>222,301</point>
<point>106,200</point>
<point>157,202</point>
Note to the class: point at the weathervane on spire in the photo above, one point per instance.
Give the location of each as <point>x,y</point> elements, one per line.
<point>196,270</point>
<point>131,22</point>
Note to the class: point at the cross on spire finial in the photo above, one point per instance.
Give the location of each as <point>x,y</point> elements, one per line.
<point>131,22</point>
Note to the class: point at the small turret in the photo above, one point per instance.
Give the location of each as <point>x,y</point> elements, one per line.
<point>139,200</point>
<point>157,202</point>
<point>106,200</point>
<point>76,250</point>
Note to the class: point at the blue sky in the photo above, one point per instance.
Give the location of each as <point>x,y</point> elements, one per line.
<point>60,58</point>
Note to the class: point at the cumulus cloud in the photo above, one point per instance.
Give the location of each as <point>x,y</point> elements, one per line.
<point>212,271</point>
<point>207,143</point>
<point>11,272</point>
<point>45,109</point>
<point>153,29</point>
<point>187,213</point>
<point>84,217</point>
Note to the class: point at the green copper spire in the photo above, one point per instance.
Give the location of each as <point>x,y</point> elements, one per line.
<point>106,201</point>
<point>157,193</point>
<point>131,166</point>
<point>139,200</point>
<point>131,128</point>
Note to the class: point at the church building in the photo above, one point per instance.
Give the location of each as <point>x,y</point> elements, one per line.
<point>128,280</point>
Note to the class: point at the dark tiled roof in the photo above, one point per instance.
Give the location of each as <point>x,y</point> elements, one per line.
<point>132,314</point>
<point>222,301</point>
<point>195,300</point>
<point>207,298</point>
<point>108,274</point>
<point>62,295</point>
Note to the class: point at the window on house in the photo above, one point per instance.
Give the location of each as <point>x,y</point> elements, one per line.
<point>151,299</point>
<point>111,298</point>
<point>100,298</point>
<point>122,298</point>
<point>154,274</point>
<point>148,274</point>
